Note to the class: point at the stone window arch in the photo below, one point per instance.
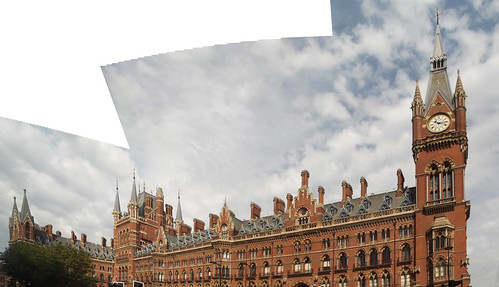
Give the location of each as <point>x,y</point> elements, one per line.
<point>373,257</point>
<point>279,267</point>
<point>325,262</point>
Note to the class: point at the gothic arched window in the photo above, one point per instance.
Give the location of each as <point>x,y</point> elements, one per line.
<point>434,183</point>
<point>373,257</point>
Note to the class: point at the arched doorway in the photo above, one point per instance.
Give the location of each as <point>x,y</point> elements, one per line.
<point>300,284</point>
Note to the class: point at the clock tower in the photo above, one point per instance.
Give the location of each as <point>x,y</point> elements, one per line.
<point>440,151</point>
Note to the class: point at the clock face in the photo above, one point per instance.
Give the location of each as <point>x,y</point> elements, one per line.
<point>438,123</point>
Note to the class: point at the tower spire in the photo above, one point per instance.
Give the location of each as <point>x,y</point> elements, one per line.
<point>25,211</point>
<point>178,217</point>
<point>15,213</point>
<point>438,81</point>
<point>117,200</point>
<point>133,197</point>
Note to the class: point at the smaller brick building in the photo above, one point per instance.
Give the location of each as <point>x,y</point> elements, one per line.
<point>22,227</point>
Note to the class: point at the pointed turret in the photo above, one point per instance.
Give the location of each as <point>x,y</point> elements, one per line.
<point>117,200</point>
<point>25,212</point>
<point>438,81</point>
<point>417,102</point>
<point>178,217</point>
<point>460,102</point>
<point>15,214</point>
<point>133,203</point>
<point>133,196</point>
<point>417,112</point>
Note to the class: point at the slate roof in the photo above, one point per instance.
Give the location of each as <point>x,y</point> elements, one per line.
<point>371,203</point>
<point>95,250</point>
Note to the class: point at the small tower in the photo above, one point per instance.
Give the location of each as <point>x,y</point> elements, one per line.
<point>117,209</point>
<point>133,206</point>
<point>14,223</point>
<point>178,217</point>
<point>27,220</point>
<point>439,148</point>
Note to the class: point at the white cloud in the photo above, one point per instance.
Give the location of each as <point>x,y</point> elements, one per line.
<point>241,121</point>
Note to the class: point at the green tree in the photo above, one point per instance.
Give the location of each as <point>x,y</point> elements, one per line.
<point>58,265</point>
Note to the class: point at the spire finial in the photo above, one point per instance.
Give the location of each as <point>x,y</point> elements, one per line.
<point>134,173</point>
<point>225,201</point>
<point>116,185</point>
<point>437,13</point>
<point>144,186</point>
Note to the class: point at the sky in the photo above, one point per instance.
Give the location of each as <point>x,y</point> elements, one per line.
<point>238,122</point>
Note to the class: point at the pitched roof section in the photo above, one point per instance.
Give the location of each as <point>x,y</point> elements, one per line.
<point>25,212</point>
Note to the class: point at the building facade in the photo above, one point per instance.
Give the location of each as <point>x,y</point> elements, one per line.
<point>410,236</point>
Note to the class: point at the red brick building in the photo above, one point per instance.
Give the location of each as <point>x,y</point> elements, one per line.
<point>410,236</point>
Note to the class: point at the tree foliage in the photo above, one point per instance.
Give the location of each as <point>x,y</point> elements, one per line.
<point>57,265</point>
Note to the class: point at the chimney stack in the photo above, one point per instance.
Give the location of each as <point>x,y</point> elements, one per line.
<point>279,206</point>
<point>363,187</point>
<point>213,220</point>
<point>103,242</point>
<point>255,211</point>
<point>58,233</point>
<point>73,238</point>
<point>304,178</point>
<point>168,209</point>
<point>321,195</point>
<point>289,198</point>
<point>198,225</point>
<point>347,191</point>
<point>83,239</point>
<point>48,230</point>
<point>400,183</point>
<point>112,243</point>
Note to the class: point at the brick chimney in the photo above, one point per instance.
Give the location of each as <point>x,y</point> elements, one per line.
<point>321,194</point>
<point>112,243</point>
<point>400,183</point>
<point>198,225</point>
<point>184,229</point>
<point>279,206</point>
<point>363,187</point>
<point>83,239</point>
<point>48,230</point>
<point>213,220</point>
<point>347,191</point>
<point>168,210</point>
<point>289,198</point>
<point>103,242</point>
<point>255,211</point>
<point>58,233</point>
<point>73,238</point>
<point>304,178</point>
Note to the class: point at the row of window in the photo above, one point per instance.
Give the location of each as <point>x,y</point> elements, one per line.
<point>299,266</point>
<point>298,247</point>
<point>361,280</point>
<point>440,182</point>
